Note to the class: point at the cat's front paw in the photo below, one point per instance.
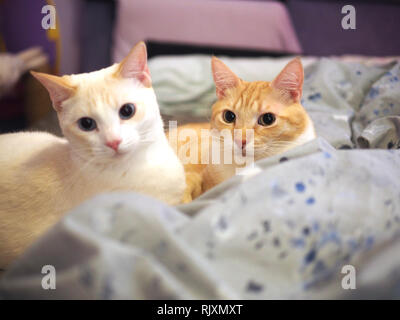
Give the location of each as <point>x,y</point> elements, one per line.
<point>187,197</point>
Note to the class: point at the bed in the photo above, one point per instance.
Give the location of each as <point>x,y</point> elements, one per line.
<point>288,229</point>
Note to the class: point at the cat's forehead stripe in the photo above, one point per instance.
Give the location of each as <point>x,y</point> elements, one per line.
<point>251,96</point>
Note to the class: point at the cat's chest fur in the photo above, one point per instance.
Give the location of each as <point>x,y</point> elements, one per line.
<point>152,170</point>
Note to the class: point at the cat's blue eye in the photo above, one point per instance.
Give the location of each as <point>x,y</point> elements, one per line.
<point>87,124</point>
<point>127,111</point>
<point>266,119</point>
<point>229,116</point>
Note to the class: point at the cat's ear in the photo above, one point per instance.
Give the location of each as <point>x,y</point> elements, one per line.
<point>290,79</point>
<point>59,89</point>
<point>135,65</point>
<point>224,78</point>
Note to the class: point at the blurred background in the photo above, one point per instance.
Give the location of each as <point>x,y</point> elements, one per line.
<point>92,34</point>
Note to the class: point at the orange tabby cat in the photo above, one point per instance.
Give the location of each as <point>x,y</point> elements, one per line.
<point>271,110</point>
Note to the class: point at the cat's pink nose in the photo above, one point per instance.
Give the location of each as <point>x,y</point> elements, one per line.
<point>241,143</point>
<point>114,144</point>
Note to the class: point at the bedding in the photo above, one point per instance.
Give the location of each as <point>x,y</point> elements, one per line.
<point>284,230</point>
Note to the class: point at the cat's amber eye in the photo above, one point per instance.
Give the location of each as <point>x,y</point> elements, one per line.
<point>87,124</point>
<point>266,119</point>
<point>127,111</point>
<point>229,116</point>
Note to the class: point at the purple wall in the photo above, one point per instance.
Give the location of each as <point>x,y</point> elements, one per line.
<point>69,15</point>
<point>21,26</point>
<point>318,26</point>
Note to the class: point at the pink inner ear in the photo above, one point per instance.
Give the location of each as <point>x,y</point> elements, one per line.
<point>291,79</point>
<point>223,84</point>
<point>58,94</point>
<point>135,65</point>
<point>224,78</point>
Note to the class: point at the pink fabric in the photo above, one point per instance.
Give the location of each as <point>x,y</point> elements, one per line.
<point>237,24</point>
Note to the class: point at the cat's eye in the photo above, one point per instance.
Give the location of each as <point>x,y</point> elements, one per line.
<point>266,119</point>
<point>127,111</point>
<point>229,116</point>
<point>87,124</point>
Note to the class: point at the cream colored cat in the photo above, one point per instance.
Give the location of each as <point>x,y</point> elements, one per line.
<point>114,140</point>
<point>271,111</point>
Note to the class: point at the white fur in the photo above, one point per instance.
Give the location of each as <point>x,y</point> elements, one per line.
<point>43,176</point>
<point>308,134</point>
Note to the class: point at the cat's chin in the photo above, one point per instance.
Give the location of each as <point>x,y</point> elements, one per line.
<point>245,152</point>
<point>121,154</point>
